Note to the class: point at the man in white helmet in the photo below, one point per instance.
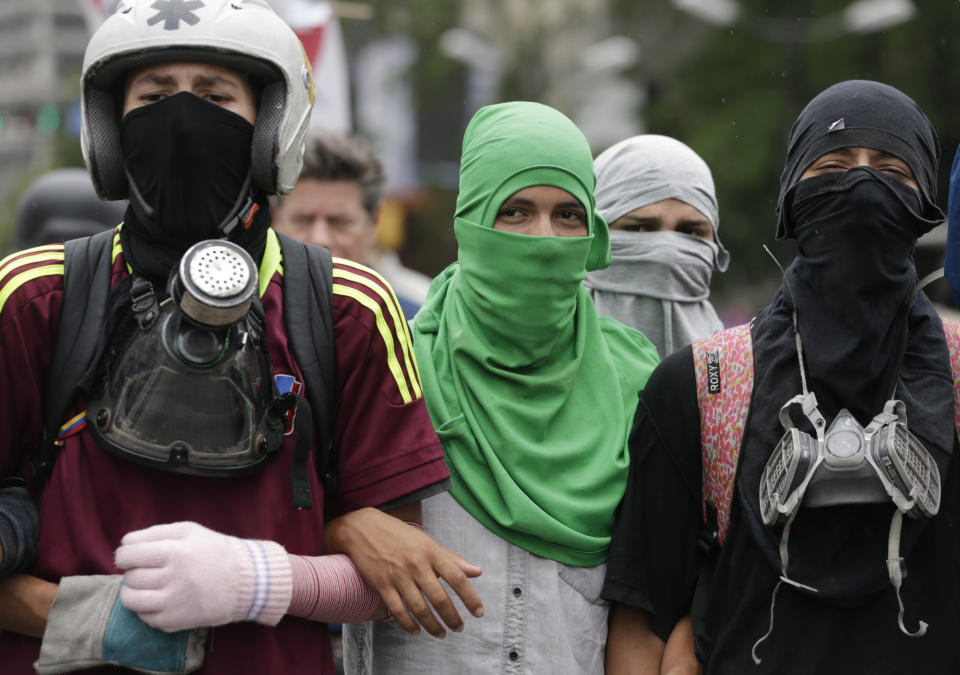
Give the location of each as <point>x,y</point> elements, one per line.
<point>182,445</point>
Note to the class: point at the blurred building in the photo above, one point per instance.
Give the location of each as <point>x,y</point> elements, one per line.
<point>41,43</point>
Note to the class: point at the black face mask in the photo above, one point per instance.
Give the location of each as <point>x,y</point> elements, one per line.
<point>856,232</point>
<point>189,161</point>
<point>853,280</point>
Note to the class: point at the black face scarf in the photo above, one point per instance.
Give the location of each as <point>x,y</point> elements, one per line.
<point>189,162</point>
<point>853,281</point>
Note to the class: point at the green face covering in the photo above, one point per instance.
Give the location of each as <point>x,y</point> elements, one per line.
<point>531,393</point>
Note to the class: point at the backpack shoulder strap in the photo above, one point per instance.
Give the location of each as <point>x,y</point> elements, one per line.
<point>723,365</point>
<point>951,329</point>
<point>308,314</point>
<point>87,267</point>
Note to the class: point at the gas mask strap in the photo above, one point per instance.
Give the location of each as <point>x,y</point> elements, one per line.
<point>933,276</point>
<point>898,408</point>
<point>241,207</point>
<point>143,210</point>
<point>897,571</point>
<point>784,578</point>
<point>300,464</point>
<point>793,313</point>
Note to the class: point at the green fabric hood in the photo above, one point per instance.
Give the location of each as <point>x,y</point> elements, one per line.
<point>531,393</point>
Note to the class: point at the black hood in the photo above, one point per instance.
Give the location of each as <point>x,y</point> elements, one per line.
<point>866,114</point>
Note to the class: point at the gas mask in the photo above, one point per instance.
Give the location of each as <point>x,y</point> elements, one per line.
<point>187,384</point>
<point>848,464</point>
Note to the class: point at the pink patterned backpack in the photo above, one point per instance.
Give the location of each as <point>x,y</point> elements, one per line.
<point>723,364</point>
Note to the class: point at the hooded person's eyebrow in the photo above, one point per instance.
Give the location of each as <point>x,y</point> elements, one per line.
<point>523,201</point>
<point>165,79</point>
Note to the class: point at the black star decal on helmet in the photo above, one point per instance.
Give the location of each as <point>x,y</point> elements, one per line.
<point>172,12</point>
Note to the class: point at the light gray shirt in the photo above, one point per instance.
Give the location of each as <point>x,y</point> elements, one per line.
<point>540,616</point>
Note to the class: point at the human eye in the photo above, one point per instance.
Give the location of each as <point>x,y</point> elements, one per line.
<point>340,223</point>
<point>897,170</point>
<point>643,225</point>
<point>510,213</point>
<point>149,93</point>
<point>218,98</point>
<point>573,215</point>
<point>831,165</point>
<point>698,230</point>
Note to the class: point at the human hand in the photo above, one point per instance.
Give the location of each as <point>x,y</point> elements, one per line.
<point>183,575</point>
<point>404,566</point>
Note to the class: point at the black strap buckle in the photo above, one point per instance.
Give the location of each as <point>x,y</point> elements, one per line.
<point>143,302</point>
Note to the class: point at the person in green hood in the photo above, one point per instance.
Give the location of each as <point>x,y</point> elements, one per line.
<point>532,395</point>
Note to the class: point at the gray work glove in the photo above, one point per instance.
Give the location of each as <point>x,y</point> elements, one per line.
<point>88,626</point>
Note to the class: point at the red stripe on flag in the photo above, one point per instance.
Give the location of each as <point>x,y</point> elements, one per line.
<point>312,39</point>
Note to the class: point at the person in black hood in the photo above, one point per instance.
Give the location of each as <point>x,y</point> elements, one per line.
<point>821,425</point>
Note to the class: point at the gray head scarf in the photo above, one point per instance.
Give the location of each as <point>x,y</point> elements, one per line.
<point>657,282</point>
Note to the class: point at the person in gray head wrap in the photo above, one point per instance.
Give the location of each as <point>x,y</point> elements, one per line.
<point>658,197</point>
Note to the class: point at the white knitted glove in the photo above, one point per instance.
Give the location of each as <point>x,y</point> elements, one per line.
<point>183,575</point>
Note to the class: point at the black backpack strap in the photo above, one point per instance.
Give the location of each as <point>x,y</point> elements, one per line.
<point>86,287</point>
<point>308,314</point>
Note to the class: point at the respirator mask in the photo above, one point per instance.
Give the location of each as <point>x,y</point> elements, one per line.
<point>187,385</point>
<point>848,464</point>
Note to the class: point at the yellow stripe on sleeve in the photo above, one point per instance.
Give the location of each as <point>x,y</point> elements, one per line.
<point>16,282</point>
<point>396,315</point>
<point>31,251</point>
<point>271,262</point>
<point>406,325</point>
<point>42,254</point>
<point>385,333</point>
<point>117,247</point>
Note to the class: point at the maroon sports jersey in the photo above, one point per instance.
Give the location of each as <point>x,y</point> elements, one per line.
<point>383,438</point>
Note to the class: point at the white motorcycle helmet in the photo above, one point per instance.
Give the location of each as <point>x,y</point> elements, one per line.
<point>245,35</point>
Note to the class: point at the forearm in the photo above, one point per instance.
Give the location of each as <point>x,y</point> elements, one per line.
<point>405,566</point>
<point>342,533</point>
<point>678,655</point>
<point>25,603</point>
<point>632,647</point>
<point>19,530</point>
<point>329,588</point>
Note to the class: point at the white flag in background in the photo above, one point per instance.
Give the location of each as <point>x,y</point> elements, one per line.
<point>319,30</point>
